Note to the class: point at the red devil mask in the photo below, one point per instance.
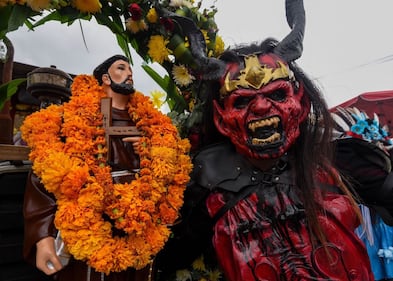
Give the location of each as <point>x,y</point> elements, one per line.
<point>261,107</point>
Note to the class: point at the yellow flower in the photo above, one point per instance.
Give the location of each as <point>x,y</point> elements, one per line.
<point>142,25</point>
<point>157,98</point>
<point>207,39</point>
<point>152,16</point>
<point>181,75</point>
<point>87,6</point>
<point>214,275</point>
<point>183,275</point>
<point>132,25</point>
<point>157,48</point>
<point>199,264</point>
<point>136,26</point>
<point>220,46</point>
<point>38,5</point>
<point>191,104</point>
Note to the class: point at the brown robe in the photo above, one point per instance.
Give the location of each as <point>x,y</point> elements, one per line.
<point>40,207</point>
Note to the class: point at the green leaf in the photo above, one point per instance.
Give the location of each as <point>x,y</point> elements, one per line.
<point>19,15</point>
<point>161,81</point>
<point>7,90</point>
<point>111,18</point>
<point>13,17</point>
<point>64,15</point>
<point>124,44</point>
<point>5,13</point>
<point>106,21</point>
<point>175,101</point>
<point>29,24</point>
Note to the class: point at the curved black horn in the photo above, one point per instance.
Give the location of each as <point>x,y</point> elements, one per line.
<point>209,68</point>
<point>291,47</point>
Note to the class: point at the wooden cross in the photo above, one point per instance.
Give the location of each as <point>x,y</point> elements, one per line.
<point>106,110</point>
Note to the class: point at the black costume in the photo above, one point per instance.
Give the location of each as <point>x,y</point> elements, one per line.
<point>255,221</point>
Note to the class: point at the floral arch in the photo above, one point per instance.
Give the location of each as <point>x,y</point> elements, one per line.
<point>136,24</point>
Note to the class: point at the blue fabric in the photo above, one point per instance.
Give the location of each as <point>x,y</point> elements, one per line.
<point>380,249</point>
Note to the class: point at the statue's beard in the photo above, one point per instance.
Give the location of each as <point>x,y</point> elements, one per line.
<point>122,88</point>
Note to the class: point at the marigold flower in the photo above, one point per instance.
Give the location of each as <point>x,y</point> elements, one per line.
<point>168,213</point>
<point>220,46</point>
<point>87,6</point>
<point>58,166</point>
<point>152,16</point>
<point>82,183</point>
<point>4,3</point>
<point>38,5</point>
<point>74,180</point>
<point>136,26</point>
<point>157,48</point>
<point>199,264</point>
<point>132,25</point>
<point>214,275</point>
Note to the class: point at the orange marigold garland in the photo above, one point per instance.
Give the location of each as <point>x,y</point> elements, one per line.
<point>68,154</point>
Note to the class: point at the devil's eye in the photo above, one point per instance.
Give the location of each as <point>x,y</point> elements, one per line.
<point>278,95</point>
<point>241,102</point>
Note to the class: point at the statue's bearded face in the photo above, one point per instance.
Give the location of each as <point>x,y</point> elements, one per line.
<point>262,122</point>
<point>120,78</point>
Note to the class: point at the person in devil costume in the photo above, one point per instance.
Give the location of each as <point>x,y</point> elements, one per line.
<point>264,199</point>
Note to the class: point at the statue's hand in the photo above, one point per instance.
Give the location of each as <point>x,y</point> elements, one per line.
<point>135,143</point>
<point>46,259</point>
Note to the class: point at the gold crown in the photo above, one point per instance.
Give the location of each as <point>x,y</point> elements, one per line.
<point>255,75</point>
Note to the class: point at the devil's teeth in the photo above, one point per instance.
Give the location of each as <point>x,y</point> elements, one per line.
<point>274,121</point>
<point>275,137</point>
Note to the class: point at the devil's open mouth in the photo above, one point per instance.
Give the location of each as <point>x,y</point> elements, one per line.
<point>266,131</point>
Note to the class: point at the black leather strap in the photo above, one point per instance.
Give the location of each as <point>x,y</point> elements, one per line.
<point>233,201</point>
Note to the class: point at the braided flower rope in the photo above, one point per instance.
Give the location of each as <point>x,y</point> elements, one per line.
<point>68,154</point>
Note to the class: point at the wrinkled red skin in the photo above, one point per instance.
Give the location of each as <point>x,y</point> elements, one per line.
<point>232,120</point>
<point>277,250</point>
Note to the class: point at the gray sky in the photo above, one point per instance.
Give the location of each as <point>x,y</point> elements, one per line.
<point>348,46</point>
